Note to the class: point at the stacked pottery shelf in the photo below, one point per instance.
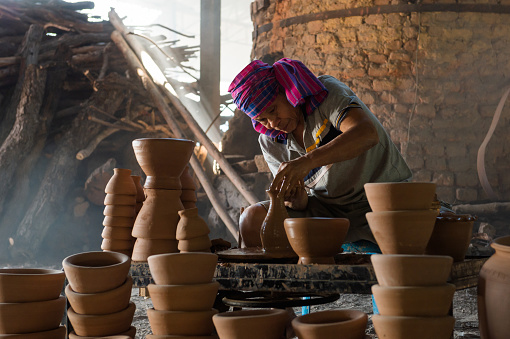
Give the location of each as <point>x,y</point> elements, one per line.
<point>30,303</point>
<point>412,295</point>
<point>163,161</point>
<point>99,293</point>
<point>183,295</point>
<point>119,211</point>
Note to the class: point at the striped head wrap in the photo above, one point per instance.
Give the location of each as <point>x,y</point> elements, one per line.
<point>256,87</point>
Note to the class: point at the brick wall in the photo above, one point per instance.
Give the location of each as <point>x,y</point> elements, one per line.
<point>433,79</point>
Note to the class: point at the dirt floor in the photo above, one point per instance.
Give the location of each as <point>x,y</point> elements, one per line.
<point>464,311</point>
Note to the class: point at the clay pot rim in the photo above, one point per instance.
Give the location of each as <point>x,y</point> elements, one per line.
<point>406,289</point>
<point>51,301</point>
<point>193,210</point>
<point>190,286</point>
<point>26,272</point>
<point>171,255</point>
<point>121,257</point>
<point>197,313</point>
<point>352,315</point>
<point>163,140</point>
<point>131,307</point>
<point>69,289</point>
<point>501,244</point>
<point>257,313</point>
<point>428,212</point>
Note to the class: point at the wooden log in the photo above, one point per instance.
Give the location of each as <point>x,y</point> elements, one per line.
<point>483,209</point>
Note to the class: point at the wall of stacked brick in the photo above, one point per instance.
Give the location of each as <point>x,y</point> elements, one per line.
<point>434,80</point>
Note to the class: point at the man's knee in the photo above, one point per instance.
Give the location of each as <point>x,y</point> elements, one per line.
<point>250,223</point>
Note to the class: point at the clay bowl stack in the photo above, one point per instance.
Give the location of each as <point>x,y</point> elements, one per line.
<point>163,161</point>
<point>192,232</point>
<point>119,212</point>
<point>402,218</point>
<point>413,296</point>
<point>99,293</point>
<point>183,295</point>
<point>30,303</point>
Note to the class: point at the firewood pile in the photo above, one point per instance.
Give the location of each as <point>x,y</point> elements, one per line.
<point>69,108</point>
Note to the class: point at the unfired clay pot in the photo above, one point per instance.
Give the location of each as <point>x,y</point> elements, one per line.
<point>316,240</point>
<point>119,211</point>
<point>182,268</point>
<point>140,194</point>
<point>144,248</point>
<point>396,196</point>
<point>101,325</point>
<point>187,182</point>
<point>121,182</point>
<point>94,272</point>
<point>118,221</point>
<point>120,233</point>
<point>31,317</point>
<point>411,270</point>
<point>188,195</point>
<point>494,292</point>
<point>116,244</point>
<point>112,301</point>
<point>152,336</point>
<point>451,236</point>
<point>251,324</point>
<point>181,323</point>
<point>191,225</point>
<point>200,244</point>
<point>344,324</point>
<point>58,333</point>
<point>163,160</point>
<point>120,199</point>
<point>159,215</point>
<point>272,233</point>
<point>131,333</point>
<point>197,297</point>
<point>17,284</point>
<point>402,232</point>
<point>414,301</point>
<point>393,327</point>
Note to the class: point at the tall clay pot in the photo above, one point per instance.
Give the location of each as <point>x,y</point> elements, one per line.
<point>494,292</point>
<point>272,233</point>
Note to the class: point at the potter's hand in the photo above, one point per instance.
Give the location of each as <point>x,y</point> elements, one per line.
<point>297,198</point>
<point>290,174</point>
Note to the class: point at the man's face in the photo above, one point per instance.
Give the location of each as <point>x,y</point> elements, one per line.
<point>280,115</point>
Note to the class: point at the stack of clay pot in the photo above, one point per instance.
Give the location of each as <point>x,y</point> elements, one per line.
<point>412,296</point>
<point>183,295</point>
<point>30,303</point>
<point>119,211</point>
<point>192,232</point>
<point>163,161</point>
<point>188,195</point>
<point>99,293</point>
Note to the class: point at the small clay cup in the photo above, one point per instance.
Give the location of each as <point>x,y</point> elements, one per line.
<point>197,297</point>
<point>413,327</point>
<point>316,240</point>
<point>118,221</point>
<point>95,272</point>
<point>402,232</point>
<point>182,268</point>
<point>397,196</point>
<point>58,333</point>
<point>17,284</point>
<point>411,270</point>
<point>112,301</point>
<point>199,244</point>
<point>144,248</point>
<point>181,323</point>
<point>119,211</point>
<point>120,199</point>
<point>251,324</point>
<point>163,160</point>
<point>414,301</point>
<point>131,333</point>
<point>119,233</point>
<point>102,325</point>
<point>451,236</point>
<point>329,324</point>
<point>31,317</point>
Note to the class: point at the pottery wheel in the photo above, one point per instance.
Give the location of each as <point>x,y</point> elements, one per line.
<point>254,254</point>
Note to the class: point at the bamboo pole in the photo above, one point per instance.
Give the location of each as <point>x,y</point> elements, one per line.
<point>186,115</point>
<point>160,102</point>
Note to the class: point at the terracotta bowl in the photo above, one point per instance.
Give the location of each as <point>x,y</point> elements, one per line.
<point>17,284</point>
<point>197,297</point>
<point>120,199</point>
<point>58,333</point>
<point>31,317</point>
<point>451,236</point>
<point>414,301</point>
<point>144,248</point>
<point>402,232</point>
<point>101,325</point>
<point>94,272</point>
<point>163,160</point>
<point>131,333</point>
<point>118,221</point>
<point>111,301</point>
<point>181,323</point>
<point>183,268</point>
<point>411,270</point>
<point>316,240</point>
<point>396,196</point>
<point>413,327</point>
<point>199,244</point>
<point>328,324</point>
<point>252,324</point>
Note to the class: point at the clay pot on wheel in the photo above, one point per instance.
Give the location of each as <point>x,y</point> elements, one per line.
<point>182,268</point>
<point>396,196</point>
<point>251,324</point>
<point>316,240</point>
<point>413,327</point>
<point>17,284</point>
<point>345,324</point>
<point>163,160</point>
<point>272,233</point>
